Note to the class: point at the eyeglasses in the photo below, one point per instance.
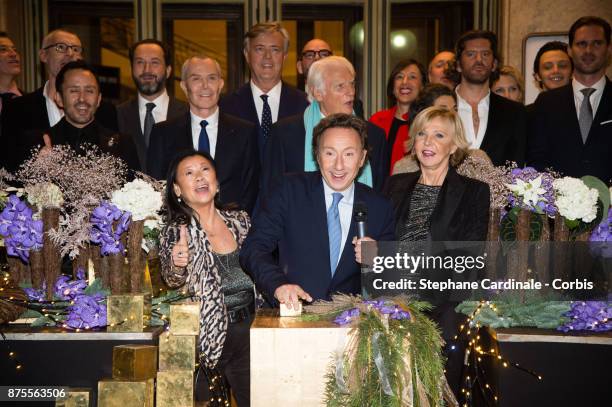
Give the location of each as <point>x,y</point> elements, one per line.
<point>6,49</point>
<point>62,48</point>
<point>322,53</point>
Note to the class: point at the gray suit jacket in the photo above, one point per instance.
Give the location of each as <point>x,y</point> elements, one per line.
<point>129,123</point>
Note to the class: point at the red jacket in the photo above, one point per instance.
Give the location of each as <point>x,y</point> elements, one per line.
<point>383,119</point>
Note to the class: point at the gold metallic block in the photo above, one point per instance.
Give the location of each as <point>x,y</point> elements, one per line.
<point>177,352</point>
<point>122,393</point>
<point>75,397</point>
<point>175,388</point>
<point>134,362</point>
<point>124,313</point>
<point>185,318</point>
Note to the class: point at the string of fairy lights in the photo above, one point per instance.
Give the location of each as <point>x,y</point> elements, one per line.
<point>474,373</point>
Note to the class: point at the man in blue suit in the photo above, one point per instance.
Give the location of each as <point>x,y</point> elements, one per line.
<point>308,218</point>
<point>265,99</point>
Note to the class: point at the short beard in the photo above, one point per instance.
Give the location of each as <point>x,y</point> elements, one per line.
<point>150,89</point>
<point>588,70</point>
<point>475,80</point>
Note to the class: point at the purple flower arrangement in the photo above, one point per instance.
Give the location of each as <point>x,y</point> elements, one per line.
<point>87,311</point>
<point>532,190</point>
<point>67,290</point>
<point>394,311</point>
<point>82,310</point>
<point>109,223</point>
<point>602,236</point>
<point>20,231</point>
<point>593,316</point>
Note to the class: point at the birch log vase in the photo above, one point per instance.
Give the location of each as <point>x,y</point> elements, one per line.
<point>81,261</point>
<point>542,252</point>
<point>136,256</point>
<point>101,267</point>
<point>561,252</point>
<point>583,261</point>
<point>52,258</point>
<point>116,274</point>
<point>492,246</point>
<point>15,269</point>
<point>37,268</point>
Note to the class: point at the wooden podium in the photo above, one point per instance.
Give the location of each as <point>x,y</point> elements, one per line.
<point>290,358</point>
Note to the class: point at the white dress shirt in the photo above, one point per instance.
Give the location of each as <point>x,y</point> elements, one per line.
<point>273,100</point>
<point>599,87</point>
<point>211,129</point>
<point>160,111</point>
<point>54,113</point>
<point>345,209</point>
<point>464,109</point>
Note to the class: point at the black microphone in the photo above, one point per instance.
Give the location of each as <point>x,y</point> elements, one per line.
<point>360,213</point>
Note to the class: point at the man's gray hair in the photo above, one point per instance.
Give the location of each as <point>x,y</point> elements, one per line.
<point>266,28</point>
<point>319,71</point>
<point>185,67</point>
<point>49,37</point>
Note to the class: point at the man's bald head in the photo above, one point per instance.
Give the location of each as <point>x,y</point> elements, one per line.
<point>312,51</point>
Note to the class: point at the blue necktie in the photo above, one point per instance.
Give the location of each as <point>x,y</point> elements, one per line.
<point>266,118</point>
<point>334,231</point>
<point>203,141</point>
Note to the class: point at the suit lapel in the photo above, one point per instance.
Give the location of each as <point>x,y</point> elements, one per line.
<point>449,197</point>
<point>186,140</point>
<point>604,112</point>
<point>223,150</point>
<point>245,96</point>
<point>284,103</point>
<point>493,121</point>
<point>320,221</point>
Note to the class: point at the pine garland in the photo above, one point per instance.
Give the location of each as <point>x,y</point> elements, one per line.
<point>538,311</point>
<point>387,362</point>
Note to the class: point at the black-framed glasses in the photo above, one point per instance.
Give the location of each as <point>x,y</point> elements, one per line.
<point>322,53</point>
<point>62,48</point>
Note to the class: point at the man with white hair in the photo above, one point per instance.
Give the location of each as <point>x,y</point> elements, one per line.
<point>265,99</point>
<point>33,114</point>
<point>230,141</point>
<point>331,89</point>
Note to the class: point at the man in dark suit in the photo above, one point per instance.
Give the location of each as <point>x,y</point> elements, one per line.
<point>78,94</point>
<point>151,63</point>
<point>308,219</point>
<point>265,99</point>
<point>331,88</point>
<point>229,140</point>
<point>10,68</point>
<point>494,124</point>
<point>33,114</point>
<point>571,127</point>
<point>312,51</point>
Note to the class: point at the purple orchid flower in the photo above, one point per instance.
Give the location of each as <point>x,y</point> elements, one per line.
<point>87,312</point>
<point>347,316</point>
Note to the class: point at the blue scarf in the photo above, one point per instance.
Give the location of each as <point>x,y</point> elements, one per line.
<point>312,117</point>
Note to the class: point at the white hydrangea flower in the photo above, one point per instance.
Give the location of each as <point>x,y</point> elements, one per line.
<point>139,198</point>
<point>575,200</point>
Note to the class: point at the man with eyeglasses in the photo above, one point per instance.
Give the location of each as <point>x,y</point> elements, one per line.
<point>151,63</point>
<point>265,99</point>
<point>34,113</point>
<point>312,51</point>
<point>10,68</point>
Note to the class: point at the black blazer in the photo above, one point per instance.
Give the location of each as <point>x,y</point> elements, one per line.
<point>240,104</point>
<point>506,136</point>
<point>555,140</point>
<point>235,155</point>
<point>285,152</point>
<point>26,118</point>
<point>293,221</point>
<point>461,212</point>
<point>109,141</point>
<point>129,123</point>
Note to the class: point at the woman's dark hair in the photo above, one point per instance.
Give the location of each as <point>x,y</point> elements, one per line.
<point>178,211</point>
<point>428,96</point>
<point>550,46</point>
<point>400,66</point>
